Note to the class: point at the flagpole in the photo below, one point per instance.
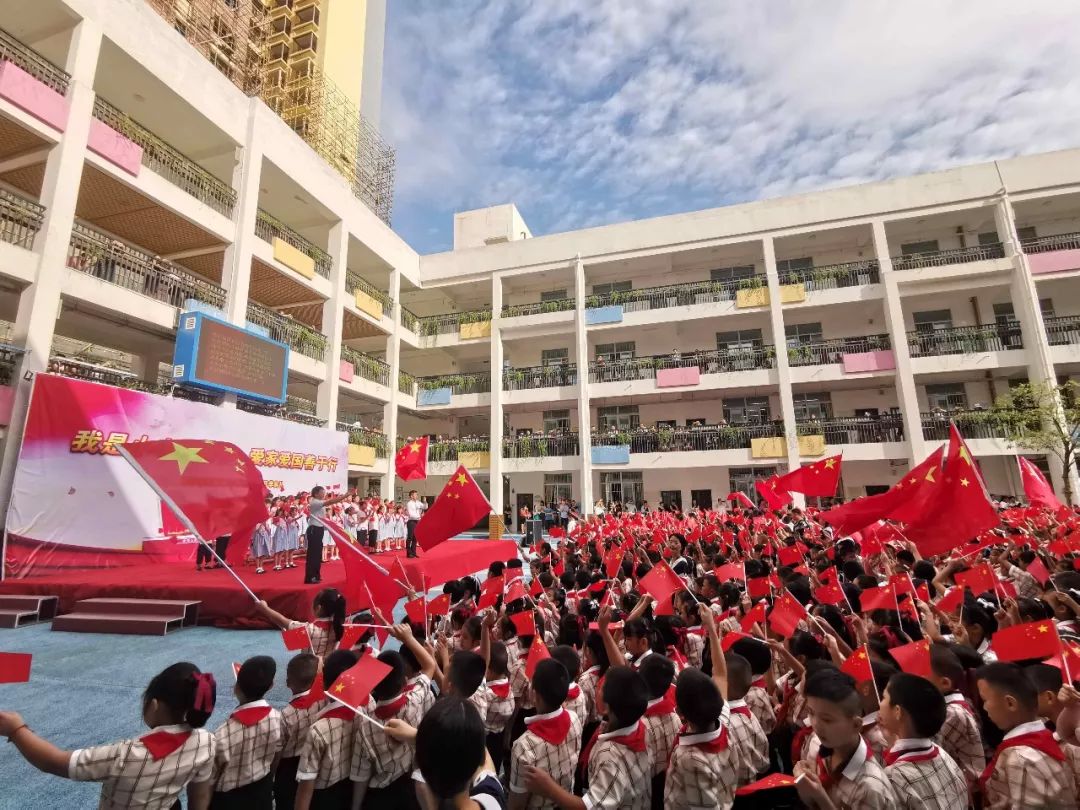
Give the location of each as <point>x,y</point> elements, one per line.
<point>182,517</point>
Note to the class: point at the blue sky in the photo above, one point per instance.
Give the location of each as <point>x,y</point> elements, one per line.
<point>585,112</point>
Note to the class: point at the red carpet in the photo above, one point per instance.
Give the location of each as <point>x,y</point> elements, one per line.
<point>224,602</point>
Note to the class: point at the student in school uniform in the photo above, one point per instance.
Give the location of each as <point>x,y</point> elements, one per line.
<point>322,775</point>
<point>747,737</point>
<point>386,524</point>
<point>1028,769</point>
<point>293,530</point>
<point>305,682</point>
<point>922,775</point>
<point>757,696</point>
<point>1053,700</point>
<point>575,701</point>
<point>149,771</point>
<point>262,545</point>
<point>400,528</point>
<point>960,736</point>
<point>661,720</point>
<point>326,631</point>
<point>248,743</point>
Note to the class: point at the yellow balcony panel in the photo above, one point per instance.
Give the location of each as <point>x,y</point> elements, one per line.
<point>792,293</point>
<point>292,258</point>
<point>474,331</point>
<point>475,460</point>
<point>753,297</point>
<point>768,447</point>
<point>361,455</point>
<point>372,306</point>
<point>811,445</point>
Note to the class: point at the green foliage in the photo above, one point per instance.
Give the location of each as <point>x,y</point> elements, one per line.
<point>1043,418</point>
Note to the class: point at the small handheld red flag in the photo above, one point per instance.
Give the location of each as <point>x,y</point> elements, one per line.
<point>756,615</point>
<point>612,562</point>
<point>875,598</point>
<point>524,623</point>
<point>913,658</point>
<point>661,583</point>
<point>771,782</point>
<point>1038,570</point>
<point>980,578</point>
<point>15,667</point>
<point>297,638</point>
<point>857,665</point>
<point>353,687</point>
<point>515,592</point>
<point>1028,640</point>
<point>439,606</point>
<point>733,570</point>
<point>410,462</point>
<point>537,653</point>
<point>831,594</point>
<point>786,614</point>
<point>351,636</point>
<point>414,609</point>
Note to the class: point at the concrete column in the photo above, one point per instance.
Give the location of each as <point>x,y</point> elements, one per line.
<point>390,409</point>
<point>906,393</point>
<point>147,365</point>
<point>783,370</point>
<point>39,303</point>
<point>333,319</point>
<point>236,270</point>
<point>585,499</point>
<point>495,431</point>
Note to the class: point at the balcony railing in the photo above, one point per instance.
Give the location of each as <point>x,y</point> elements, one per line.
<point>542,445</point>
<point>709,361</point>
<point>368,367</point>
<point>410,320</point>
<point>11,50</point>
<point>358,434</point>
<point>686,439</point>
<point>1045,244</point>
<point>888,427</point>
<point>298,336</point>
<point>448,323</point>
<point>113,261</point>
<point>406,383</point>
<point>552,376</point>
<point>937,258</point>
<point>834,276</point>
<point>965,340</point>
<point>449,449</point>
<point>9,359</point>
<point>1063,331</point>
<point>170,163</point>
<point>990,423</point>
<point>92,372</point>
<point>357,283</point>
<point>295,409</point>
<point>538,308</point>
<point>479,383</point>
<point>20,219</point>
<point>675,295</point>
<point>832,351</point>
<point>267,228</point>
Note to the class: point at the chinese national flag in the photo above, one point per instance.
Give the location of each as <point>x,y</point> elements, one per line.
<point>792,555</point>
<point>661,583</point>
<point>858,666</point>
<point>874,598</point>
<point>817,479</point>
<point>297,638</point>
<point>524,623</point>
<point>459,507</point>
<point>367,584</point>
<point>740,499</point>
<point>415,609</point>
<point>1068,661</point>
<point>537,653</point>
<point>515,591</point>
<point>1028,640</point>
<point>913,658</point>
<point>353,687</point>
<point>1036,488</point>
<point>14,667</point>
<point>350,636</point>
<point>410,462</point>
<point>490,593</point>
<point>758,587</point>
<point>212,487</point>
<point>775,497</point>
<point>771,782</point>
<point>980,578</point>
<point>756,615</point>
<point>830,594</point>
<point>613,561</point>
<point>952,599</point>
<point>1038,570</point>
<point>728,571</point>
<point>439,606</point>
<point>786,614</point>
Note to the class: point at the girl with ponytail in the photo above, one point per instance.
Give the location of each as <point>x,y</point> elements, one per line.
<point>149,771</point>
<point>329,625</point>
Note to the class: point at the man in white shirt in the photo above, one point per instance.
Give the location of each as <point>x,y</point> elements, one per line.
<point>314,533</point>
<point>414,510</point>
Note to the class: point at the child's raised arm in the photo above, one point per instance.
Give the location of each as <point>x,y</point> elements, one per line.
<point>39,752</point>
<point>272,615</point>
<point>716,652</point>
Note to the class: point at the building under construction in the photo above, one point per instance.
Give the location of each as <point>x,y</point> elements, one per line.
<point>277,49</point>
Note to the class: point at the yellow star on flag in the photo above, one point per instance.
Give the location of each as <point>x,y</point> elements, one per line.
<point>911,481</point>
<point>462,479</point>
<point>414,447</point>
<point>339,688</point>
<point>183,456</point>
<point>930,476</point>
<point>1043,628</point>
<point>830,463</point>
<point>964,482</point>
<point>964,454</point>
<point>229,450</point>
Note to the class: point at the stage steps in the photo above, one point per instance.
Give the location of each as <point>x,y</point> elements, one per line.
<point>146,617</point>
<point>18,611</point>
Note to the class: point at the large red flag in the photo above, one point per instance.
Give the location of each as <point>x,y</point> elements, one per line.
<point>458,508</point>
<point>768,489</point>
<point>364,576</point>
<point>211,486</point>
<point>1029,640</point>
<point>410,462</point>
<point>817,479</point>
<point>1036,487</point>
<point>740,499</point>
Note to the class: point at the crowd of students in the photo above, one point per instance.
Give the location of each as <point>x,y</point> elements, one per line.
<point>584,685</point>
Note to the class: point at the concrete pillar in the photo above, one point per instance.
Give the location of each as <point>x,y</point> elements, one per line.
<point>333,319</point>
<point>906,393</point>
<point>39,303</point>
<point>783,370</point>
<point>390,409</point>
<point>236,270</point>
<point>495,430</point>
<point>147,365</point>
<point>581,338</point>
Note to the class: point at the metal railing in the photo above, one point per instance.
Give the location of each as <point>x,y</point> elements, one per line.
<point>709,361</point>
<point>9,360</point>
<point>357,283</point>
<point>888,427</point>
<point>937,258</point>
<point>538,308</point>
<point>478,383</point>
<point>542,445</point>
<point>449,449</point>
<point>111,260</point>
<point>294,409</point>
<point>298,336</point>
<point>368,367</point>
<point>834,276</point>
<point>965,339</point>
<point>368,437</point>
<point>675,295</point>
<point>195,394</point>
<point>92,372</point>
<point>267,227</point>
<point>170,163</point>
<point>448,323</point>
<point>687,439</point>
<point>832,351</point>
<point>552,376</point>
<point>1063,331</point>
<point>20,219</point>
<point>989,423</point>
<point>406,383</point>
<point>410,320</point>
<point>11,50</point>
<point>1045,244</point>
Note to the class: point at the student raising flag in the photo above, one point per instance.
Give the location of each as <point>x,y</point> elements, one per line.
<point>458,508</point>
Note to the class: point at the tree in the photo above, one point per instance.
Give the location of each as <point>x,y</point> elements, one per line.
<point>1044,418</point>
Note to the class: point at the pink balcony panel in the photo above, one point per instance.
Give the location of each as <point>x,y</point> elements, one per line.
<point>860,362</point>
<point>32,96</point>
<point>114,147</point>
<point>347,371</point>
<point>1054,261</point>
<point>670,377</point>
<point>7,399</point>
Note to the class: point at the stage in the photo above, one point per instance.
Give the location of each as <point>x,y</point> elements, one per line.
<point>224,602</point>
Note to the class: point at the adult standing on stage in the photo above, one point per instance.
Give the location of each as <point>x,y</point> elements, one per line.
<point>314,534</point>
<point>414,510</point>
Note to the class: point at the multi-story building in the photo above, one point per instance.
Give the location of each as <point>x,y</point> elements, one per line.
<point>669,359</point>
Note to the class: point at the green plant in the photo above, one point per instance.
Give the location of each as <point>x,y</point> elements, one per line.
<point>751,283</point>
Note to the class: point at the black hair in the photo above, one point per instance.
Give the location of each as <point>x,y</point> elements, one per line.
<point>1010,679</point>
<point>467,670</point>
<point>454,589</point>
<point>594,643</point>
<point>636,628</point>
<point>569,631</point>
<point>331,604</point>
<point>658,672</point>
<point>883,672</point>
<point>1046,678</point>
<point>303,667</point>
<point>256,676</point>
<point>496,569</point>
<point>944,663</point>
<point>922,701</point>
<point>450,746</point>
<point>568,657</point>
<point>177,688</point>
<point>408,658</point>
<point>625,695</point>
<point>551,683</point>
<point>497,658</point>
<point>756,652</point>
<point>698,699</point>
<point>336,663</point>
<point>837,688</point>
<point>394,681</point>
<point>804,644</point>
<point>739,675</point>
<point>473,626</point>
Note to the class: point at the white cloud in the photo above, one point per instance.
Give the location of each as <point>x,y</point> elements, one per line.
<point>591,112</point>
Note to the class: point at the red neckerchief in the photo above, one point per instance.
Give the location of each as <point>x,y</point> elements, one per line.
<point>798,741</point>
<point>677,657</point>
<point>758,682</point>
<point>551,729</point>
<point>743,710</point>
<point>250,716</point>
<point>339,713</point>
<point>322,624</point>
<point>829,778</point>
<point>660,708</point>
<point>162,743</point>
<point>965,704</point>
<point>712,746</point>
<point>307,699</point>
<point>912,755</point>
<point>586,751</point>
<point>635,740</point>
<point>1042,741</point>
<point>500,688</point>
<point>695,631</point>
<point>574,692</point>
<point>388,710</point>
